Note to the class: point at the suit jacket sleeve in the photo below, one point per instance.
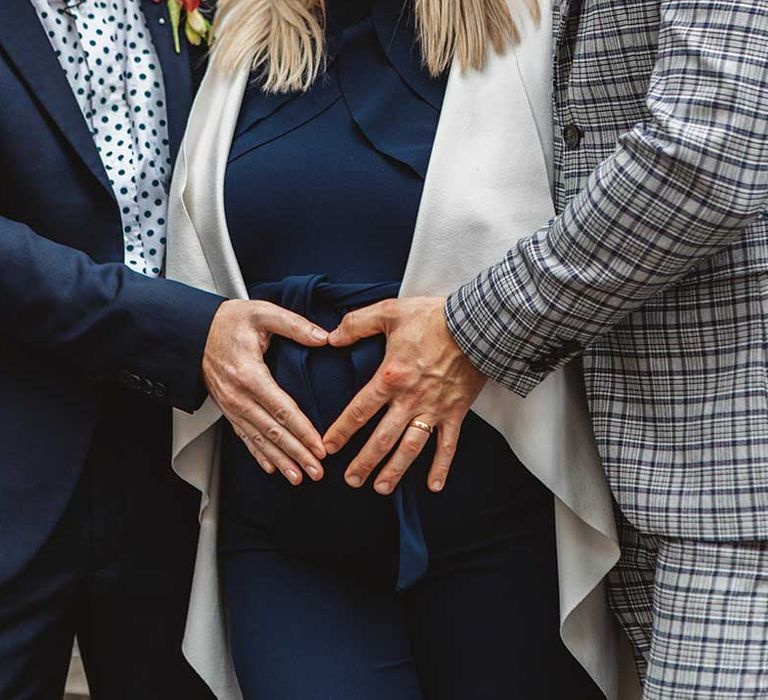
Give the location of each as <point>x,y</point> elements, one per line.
<point>679,187</point>
<point>104,320</point>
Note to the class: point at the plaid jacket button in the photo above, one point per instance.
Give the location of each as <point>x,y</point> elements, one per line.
<point>572,136</point>
<point>539,366</point>
<point>570,347</point>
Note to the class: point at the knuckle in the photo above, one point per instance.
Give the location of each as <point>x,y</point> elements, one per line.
<point>381,392</point>
<point>338,435</point>
<point>282,415</point>
<point>418,392</point>
<point>411,447</point>
<point>395,375</point>
<point>256,306</point>
<point>448,446</point>
<point>392,376</point>
<point>442,465</point>
<point>357,413</point>
<point>389,307</point>
<point>363,468</point>
<point>237,404</point>
<point>257,438</point>
<point>383,440</point>
<point>275,435</point>
<point>232,373</point>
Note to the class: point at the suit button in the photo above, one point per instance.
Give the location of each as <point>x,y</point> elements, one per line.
<point>540,366</point>
<point>147,387</point>
<point>571,347</point>
<point>130,380</point>
<point>160,390</point>
<point>572,136</point>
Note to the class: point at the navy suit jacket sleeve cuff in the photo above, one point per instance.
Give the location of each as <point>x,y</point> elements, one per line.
<point>177,321</point>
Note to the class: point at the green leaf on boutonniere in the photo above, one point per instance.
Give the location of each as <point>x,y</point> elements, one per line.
<point>174,12</point>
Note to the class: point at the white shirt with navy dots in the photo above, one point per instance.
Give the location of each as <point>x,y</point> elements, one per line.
<point>106,51</point>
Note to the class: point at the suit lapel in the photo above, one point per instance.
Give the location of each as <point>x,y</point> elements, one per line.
<point>177,69</point>
<point>24,40</point>
<point>560,18</point>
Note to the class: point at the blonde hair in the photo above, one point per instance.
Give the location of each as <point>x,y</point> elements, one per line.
<point>283,40</point>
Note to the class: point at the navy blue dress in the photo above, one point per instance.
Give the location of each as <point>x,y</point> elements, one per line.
<point>322,192</point>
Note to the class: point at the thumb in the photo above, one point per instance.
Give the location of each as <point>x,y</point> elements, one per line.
<point>363,323</point>
<point>280,321</point>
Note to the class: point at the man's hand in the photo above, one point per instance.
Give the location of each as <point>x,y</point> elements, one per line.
<point>268,421</point>
<point>425,377</point>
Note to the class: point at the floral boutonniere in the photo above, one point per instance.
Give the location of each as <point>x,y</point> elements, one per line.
<point>196,27</point>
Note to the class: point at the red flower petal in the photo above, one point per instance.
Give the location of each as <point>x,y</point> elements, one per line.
<point>190,5</point>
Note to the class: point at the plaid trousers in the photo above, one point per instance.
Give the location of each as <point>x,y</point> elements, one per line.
<point>696,612</point>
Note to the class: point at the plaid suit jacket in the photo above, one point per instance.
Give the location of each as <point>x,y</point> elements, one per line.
<point>652,271</point>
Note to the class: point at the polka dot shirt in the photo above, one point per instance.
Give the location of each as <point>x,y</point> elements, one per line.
<point>106,51</point>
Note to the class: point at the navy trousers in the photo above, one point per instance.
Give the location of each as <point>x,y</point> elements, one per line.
<point>482,624</point>
<point>116,572</point>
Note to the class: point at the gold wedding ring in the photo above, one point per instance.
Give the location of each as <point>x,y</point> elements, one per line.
<point>421,425</point>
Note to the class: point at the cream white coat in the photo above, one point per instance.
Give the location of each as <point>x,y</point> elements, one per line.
<point>488,185</point>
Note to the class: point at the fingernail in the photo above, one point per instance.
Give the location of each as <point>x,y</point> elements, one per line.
<point>314,472</point>
<point>437,485</point>
<point>319,451</point>
<point>292,475</point>
<point>331,447</point>
<point>354,481</point>
<point>319,334</point>
<point>383,488</point>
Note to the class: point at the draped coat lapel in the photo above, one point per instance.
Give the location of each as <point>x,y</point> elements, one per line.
<point>487,185</point>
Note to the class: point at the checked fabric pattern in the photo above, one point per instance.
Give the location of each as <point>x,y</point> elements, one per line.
<point>697,614</point>
<point>652,270</point>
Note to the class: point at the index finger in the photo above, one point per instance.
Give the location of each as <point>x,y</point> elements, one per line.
<point>361,323</point>
<point>366,404</point>
<point>289,324</point>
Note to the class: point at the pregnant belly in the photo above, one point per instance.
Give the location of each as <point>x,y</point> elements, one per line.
<point>327,519</point>
<point>488,492</point>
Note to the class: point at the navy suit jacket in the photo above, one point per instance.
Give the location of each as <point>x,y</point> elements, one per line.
<point>73,319</point>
